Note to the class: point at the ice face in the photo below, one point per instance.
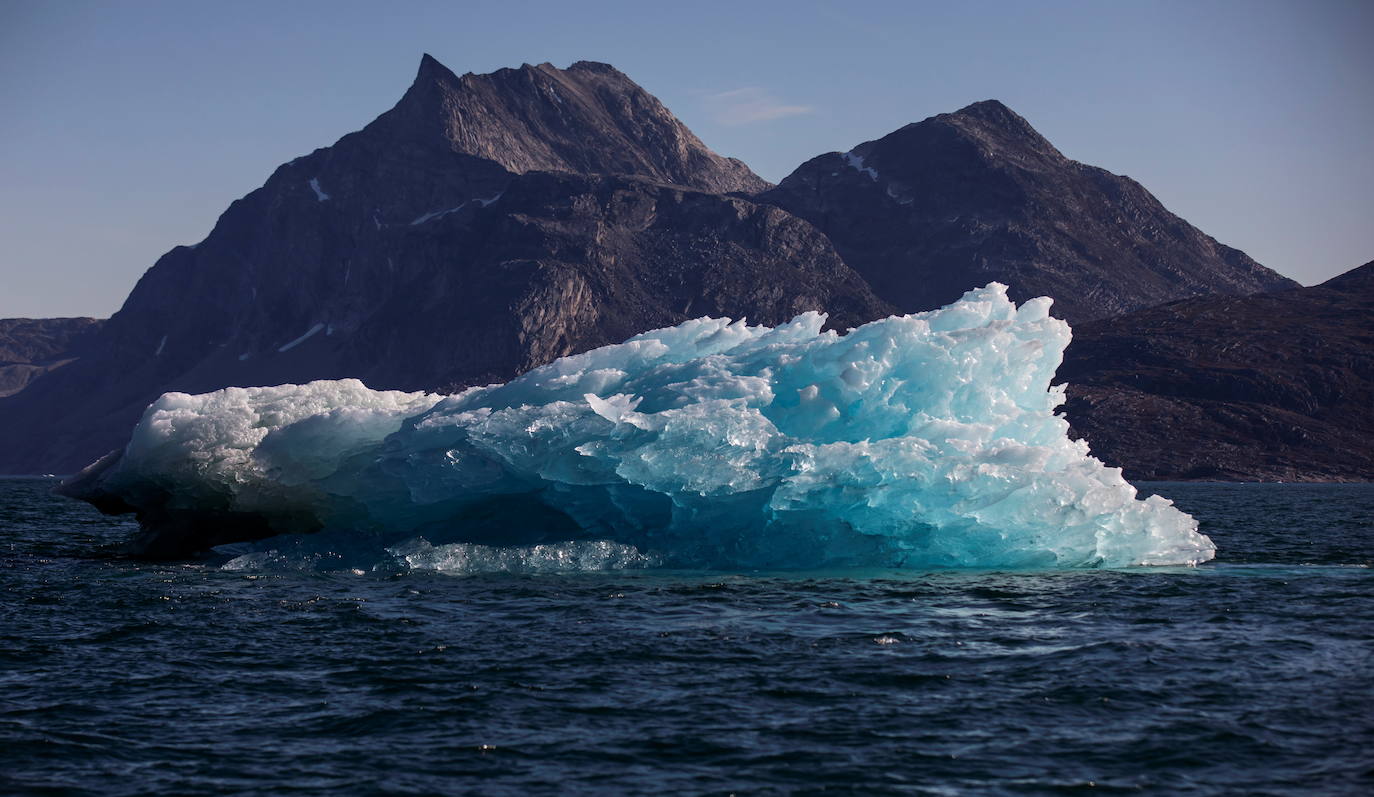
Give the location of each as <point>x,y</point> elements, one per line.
<point>927,440</point>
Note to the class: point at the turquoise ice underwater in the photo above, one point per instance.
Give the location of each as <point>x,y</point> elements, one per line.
<point>927,440</point>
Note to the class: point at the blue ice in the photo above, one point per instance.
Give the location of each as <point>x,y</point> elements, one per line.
<point>926,440</point>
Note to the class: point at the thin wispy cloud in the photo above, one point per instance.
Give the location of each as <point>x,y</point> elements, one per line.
<point>749,105</point>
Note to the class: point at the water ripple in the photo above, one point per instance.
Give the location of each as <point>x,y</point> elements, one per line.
<point>1250,675</point>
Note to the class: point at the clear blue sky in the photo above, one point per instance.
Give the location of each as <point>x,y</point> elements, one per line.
<point>128,127</point>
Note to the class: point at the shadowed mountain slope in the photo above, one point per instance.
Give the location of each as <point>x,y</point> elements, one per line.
<point>1274,387</point>
<point>962,199</point>
<point>31,347</point>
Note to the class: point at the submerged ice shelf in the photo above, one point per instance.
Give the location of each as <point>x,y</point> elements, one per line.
<point>926,440</point>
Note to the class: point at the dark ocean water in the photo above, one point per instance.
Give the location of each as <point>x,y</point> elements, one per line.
<point>1250,675</point>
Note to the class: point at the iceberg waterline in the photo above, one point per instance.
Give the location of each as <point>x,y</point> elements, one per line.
<point>927,440</point>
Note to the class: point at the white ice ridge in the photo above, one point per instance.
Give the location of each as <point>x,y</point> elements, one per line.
<point>309,333</point>
<point>856,162</point>
<point>927,440</point>
<point>436,214</point>
<point>320,195</point>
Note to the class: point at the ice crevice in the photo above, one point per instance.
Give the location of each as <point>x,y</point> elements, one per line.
<point>926,440</point>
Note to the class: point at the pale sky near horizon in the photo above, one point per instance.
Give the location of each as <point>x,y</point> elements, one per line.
<point>128,128</point>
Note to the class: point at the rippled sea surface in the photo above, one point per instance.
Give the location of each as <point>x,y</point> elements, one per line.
<point>1250,675</point>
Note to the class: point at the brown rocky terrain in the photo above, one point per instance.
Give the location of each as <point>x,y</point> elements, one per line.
<point>31,347</point>
<point>1274,387</point>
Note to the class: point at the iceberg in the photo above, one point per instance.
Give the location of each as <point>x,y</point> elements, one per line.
<point>918,441</point>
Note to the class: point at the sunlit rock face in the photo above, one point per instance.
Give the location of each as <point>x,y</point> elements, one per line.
<point>927,440</point>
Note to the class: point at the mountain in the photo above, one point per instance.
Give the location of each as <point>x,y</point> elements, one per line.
<point>484,225</point>
<point>31,347</point>
<point>488,224</point>
<point>589,119</point>
<point>1274,387</point>
<point>961,199</point>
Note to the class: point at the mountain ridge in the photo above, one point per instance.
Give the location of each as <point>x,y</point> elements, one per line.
<point>1268,387</point>
<point>961,199</point>
<point>487,224</point>
<point>31,347</point>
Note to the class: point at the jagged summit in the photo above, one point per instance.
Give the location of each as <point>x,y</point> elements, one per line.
<point>430,67</point>
<point>961,199</point>
<point>589,118</point>
<point>991,109</point>
<point>994,113</point>
<point>594,66</point>
<point>1001,129</point>
<point>484,225</point>
<point>987,133</point>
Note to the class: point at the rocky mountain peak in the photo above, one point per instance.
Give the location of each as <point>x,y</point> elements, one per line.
<point>594,66</point>
<point>431,68</point>
<point>991,110</point>
<point>997,136</point>
<point>961,199</point>
<point>589,118</point>
<point>992,115</point>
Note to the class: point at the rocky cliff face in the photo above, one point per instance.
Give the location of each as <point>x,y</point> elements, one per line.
<point>1274,387</point>
<point>962,199</point>
<point>484,225</point>
<point>31,347</point>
